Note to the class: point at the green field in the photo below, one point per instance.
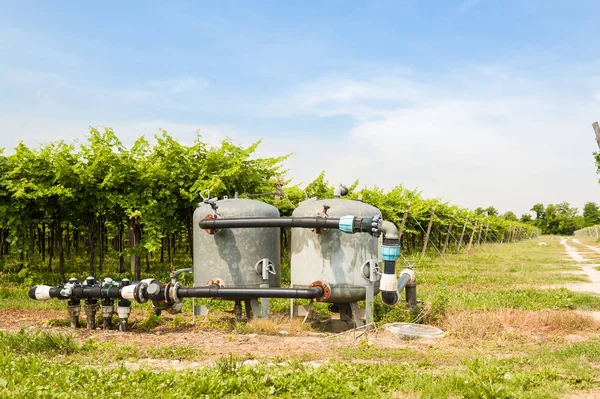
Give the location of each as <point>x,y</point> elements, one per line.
<point>512,331</point>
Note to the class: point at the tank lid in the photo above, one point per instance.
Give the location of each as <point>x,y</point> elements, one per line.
<point>413,331</point>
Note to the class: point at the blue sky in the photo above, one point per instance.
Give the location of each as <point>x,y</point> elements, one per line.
<point>478,102</point>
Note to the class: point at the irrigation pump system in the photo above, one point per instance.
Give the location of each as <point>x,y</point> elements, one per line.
<point>337,247</point>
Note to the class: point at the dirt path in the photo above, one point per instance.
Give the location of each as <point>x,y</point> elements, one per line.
<point>588,269</point>
<point>595,249</point>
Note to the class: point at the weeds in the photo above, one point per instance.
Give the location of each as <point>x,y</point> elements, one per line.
<point>40,342</point>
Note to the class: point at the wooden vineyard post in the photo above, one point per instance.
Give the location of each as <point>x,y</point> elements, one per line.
<point>279,189</point>
<point>479,235</point>
<point>471,239</point>
<point>448,234</point>
<point>428,232</point>
<point>404,221</point>
<point>487,227</point>
<point>597,131</point>
<point>462,235</point>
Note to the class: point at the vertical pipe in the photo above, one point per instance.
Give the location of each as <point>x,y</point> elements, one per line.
<point>90,313</point>
<point>74,307</point>
<point>411,295</point>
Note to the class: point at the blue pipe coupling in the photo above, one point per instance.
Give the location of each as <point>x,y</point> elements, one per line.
<point>347,224</point>
<point>390,252</point>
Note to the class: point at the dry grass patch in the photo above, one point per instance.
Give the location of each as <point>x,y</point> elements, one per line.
<point>275,325</point>
<point>488,324</point>
<point>584,394</point>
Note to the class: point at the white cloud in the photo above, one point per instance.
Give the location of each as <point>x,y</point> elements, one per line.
<point>484,137</point>
<point>336,95</point>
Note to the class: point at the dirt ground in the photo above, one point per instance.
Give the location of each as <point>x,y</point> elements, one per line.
<point>214,343</point>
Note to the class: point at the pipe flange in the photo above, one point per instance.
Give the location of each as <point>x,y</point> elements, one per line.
<point>216,281</point>
<point>173,294</point>
<point>212,216</point>
<point>138,293</point>
<point>376,225</point>
<point>326,290</point>
<point>167,295</point>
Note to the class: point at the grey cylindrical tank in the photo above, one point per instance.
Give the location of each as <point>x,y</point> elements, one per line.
<point>334,257</point>
<point>235,255</point>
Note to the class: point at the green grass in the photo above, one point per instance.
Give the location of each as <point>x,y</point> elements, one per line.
<point>527,299</point>
<point>546,374</point>
<point>505,276</point>
<point>508,358</point>
<point>16,297</point>
<point>40,342</point>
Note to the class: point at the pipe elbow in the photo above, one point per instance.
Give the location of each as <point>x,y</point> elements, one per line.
<point>389,298</point>
<point>389,230</point>
<point>412,276</point>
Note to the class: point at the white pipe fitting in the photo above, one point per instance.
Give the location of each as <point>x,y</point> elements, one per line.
<point>42,292</point>
<point>127,292</point>
<point>411,273</point>
<point>123,312</point>
<point>388,282</point>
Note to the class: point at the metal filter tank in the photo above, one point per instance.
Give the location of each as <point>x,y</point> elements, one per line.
<point>346,262</point>
<point>237,257</point>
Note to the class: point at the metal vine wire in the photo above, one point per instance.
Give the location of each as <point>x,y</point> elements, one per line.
<point>451,235</point>
<point>431,242</point>
<point>478,246</point>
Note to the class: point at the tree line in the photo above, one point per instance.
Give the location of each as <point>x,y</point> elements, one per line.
<point>561,219</point>
<point>65,206</point>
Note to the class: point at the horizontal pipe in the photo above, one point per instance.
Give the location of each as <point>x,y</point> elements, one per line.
<point>197,292</point>
<point>97,292</point>
<point>79,292</point>
<point>407,278</point>
<point>44,292</point>
<point>250,293</point>
<point>304,222</point>
<point>347,224</point>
